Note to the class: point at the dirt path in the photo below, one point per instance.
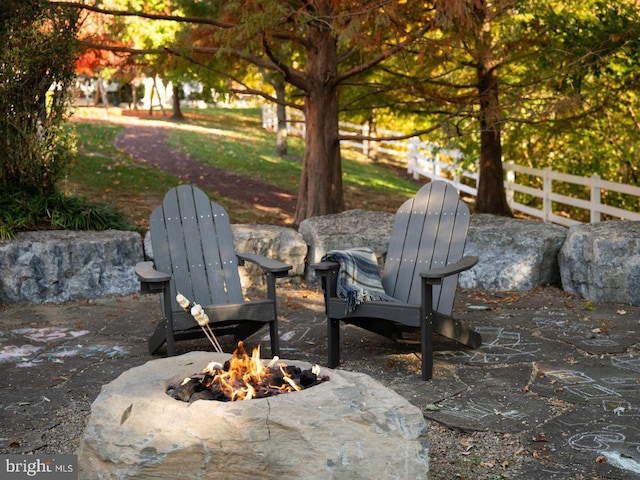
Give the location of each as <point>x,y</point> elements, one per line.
<point>149,144</point>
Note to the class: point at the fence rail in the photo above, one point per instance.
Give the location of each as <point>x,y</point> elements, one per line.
<point>427,159</point>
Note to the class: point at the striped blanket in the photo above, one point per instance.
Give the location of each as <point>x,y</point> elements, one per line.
<point>358,276</point>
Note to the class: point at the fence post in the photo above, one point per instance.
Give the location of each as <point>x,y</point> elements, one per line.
<point>595,199</point>
<point>511,179</point>
<point>547,207</point>
<point>267,119</point>
<point>412,156</point>
<point>365,143</point>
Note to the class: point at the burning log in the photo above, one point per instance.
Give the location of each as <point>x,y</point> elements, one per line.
<point>243,378</point>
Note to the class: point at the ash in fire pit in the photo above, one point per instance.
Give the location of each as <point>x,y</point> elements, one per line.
<point>243,378</point>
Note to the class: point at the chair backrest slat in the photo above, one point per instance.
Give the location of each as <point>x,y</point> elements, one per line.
<point>429,231</point>
<point>192,240</point>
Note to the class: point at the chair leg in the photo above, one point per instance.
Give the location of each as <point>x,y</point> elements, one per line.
<point>427,346</point>
<point>333,342</point>
<point>426,330</point>
<point>275,339</point>
<point>168,322</point>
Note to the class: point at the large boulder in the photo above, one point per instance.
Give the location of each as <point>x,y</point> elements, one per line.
<point>340,231</point>
<point>601,262</point>
<point>272,241</point>
<point>348,427</point>
<point>515,254</point>
<point>62,265</point>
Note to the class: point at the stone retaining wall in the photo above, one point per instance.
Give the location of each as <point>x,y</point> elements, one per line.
<point>61,265</point>
<point>600,262</point>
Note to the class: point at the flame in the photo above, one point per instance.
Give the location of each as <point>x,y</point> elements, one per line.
<point>247,373</point>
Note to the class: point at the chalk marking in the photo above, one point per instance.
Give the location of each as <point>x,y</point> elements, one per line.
<point>595,441</point>
<point>628,363</point>
<point>592,391</point>
<point>570,376</point>
<point>623,463</point>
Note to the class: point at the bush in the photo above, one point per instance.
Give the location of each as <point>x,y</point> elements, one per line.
<point>20,211</point>
<point>37,55</point>
<point>37,59</point>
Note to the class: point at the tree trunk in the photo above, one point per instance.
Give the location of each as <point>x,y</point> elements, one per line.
<point>281,135</point>
<point>177,111</point>
<point>491,194</point>
<point>320,191</point>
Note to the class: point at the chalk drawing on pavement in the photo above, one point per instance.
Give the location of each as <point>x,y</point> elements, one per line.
<point>596,441</point>
<point>615,442</point>
<point>52,345</point>
<point>628,362</point>
<point>499,345</point>
<point>570,376</point>
<point>591,391</point>
<point>475,411</point>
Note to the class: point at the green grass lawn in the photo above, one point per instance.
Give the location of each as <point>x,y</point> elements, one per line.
<point>231,139</point>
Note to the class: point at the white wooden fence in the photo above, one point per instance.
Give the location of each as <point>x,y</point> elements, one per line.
<point>426,159</point>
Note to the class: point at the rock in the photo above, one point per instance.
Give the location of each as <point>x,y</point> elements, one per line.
<point>515,254</point>
<point>348,427</point>
<point>353,228</point>
<point>62,265</point>
<point>272,241</point>
<point>601,262</point>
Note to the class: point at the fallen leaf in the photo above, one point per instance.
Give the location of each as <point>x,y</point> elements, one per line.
<point>621,312</point>
<point>589,306</point>
<point>540,438</point>
<point>601,459</point>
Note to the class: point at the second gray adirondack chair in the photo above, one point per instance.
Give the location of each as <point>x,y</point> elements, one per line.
<point>194,254</point>
<point>421,270</point>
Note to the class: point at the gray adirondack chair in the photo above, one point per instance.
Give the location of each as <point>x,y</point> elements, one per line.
<point>422,264</point>
<point>194,254</point>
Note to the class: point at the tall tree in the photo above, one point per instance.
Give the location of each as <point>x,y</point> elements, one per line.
<point>317,46</point>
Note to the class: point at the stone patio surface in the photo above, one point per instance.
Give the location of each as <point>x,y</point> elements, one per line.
<point>560,373</point>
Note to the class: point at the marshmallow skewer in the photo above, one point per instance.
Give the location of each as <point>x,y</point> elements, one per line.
<point>201,317</point>
<point>203,320</point>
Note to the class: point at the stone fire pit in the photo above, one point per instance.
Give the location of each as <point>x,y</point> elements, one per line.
<point>349,427</point>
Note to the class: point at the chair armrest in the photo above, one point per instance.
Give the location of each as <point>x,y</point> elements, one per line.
<point>324,267</point>
<point>146,273</point>
<point>151,280</point>
<point>276,267</point>
<point>465,263</point>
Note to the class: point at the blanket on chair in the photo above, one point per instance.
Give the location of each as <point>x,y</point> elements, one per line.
<point>358,276</point>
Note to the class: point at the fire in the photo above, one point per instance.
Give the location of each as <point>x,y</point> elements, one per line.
<point>244,377</point>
